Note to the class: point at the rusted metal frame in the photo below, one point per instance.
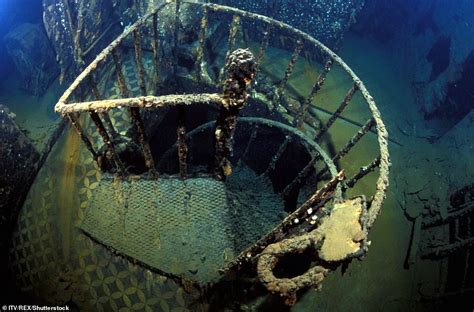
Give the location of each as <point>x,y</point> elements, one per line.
<point>239,70</point>
<point>299,120</point>
<point>301,175</point>
<point>234,25</point>
<point>175,37</point>
<point>107,141</point>
<point>124,92</point>
<point>101,57</point>
<point>353,141</point>
<point>350,144</point>
<point>337,113</point>
<point>202,39</point>
<point>437,221</point>
<point>252,137</point>
<point>446,250</point>
<point>150,101</point>
<point>139,60</point>
<point>278,154</point>
<point>77,126</point>
<point>155,46</point>
<point>363,171</point>
<point>382,134</point>
<point>289,70</point>
<point>312,206</point>
<point>263,45</point>
<point>137,120</point>
<point>104,114</point>
<point>182,147</point>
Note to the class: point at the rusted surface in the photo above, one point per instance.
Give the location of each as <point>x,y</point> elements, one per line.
<point>239,70</point>
<point>317,86</point>
<point>289,70</point>
<point>182,147</point>
<point>363,171</point>
<point>137,43</point>
<point>124,92</point>
<point>155,46</point>
<point>138,122</point>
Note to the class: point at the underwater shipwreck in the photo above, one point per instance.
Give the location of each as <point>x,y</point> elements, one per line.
<point>205,157</point>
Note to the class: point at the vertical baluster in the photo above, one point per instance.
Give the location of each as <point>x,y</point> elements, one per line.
<point>137,120</point>
<point>77,126</point>
<point>337,113</point>
<point>301,175</point>
<point>176,38</point>
<point>124,92</point>
<point>138,59</point>
<point>234,26</point>
<point>182,147</point>
<point>104,114</point>
<point>263,46</point>
<point>317,86</point>
<point>106,138</point>
<point>155,47</point>
<point>363,171</point>
<point>363,131</point>
<point>252,137</point>
<point>289,70</point>
<point>279,153</point>
<point>202,39</point>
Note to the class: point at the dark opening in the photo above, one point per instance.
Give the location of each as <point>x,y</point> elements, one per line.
<point>439,56</point>
<point>294,264</point>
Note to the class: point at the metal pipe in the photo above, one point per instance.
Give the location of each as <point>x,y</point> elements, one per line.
<point>106,138</point>
<point>363,171</point>
<point>155,47</point>
<point>317,86</point>
<point>137,120</point>
<point>139,61</point>
<point>337,113</point>
<point>182,147</point>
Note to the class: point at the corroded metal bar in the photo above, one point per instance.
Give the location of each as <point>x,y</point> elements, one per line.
<point>437,221</point>
<point>446,250</point>
<point>234,26</point>
<point>239,70</point>
<point>365,128</point>
<point>77,126</point>
<point>301,175</point>
<point>106,138</point>
<point>175,37</point>
<point>182,147</point>
<point>252,137</point>
<point>317,86</point>
<point>363,171</point>
<point>103,114</point>
<point>290,67</point>
<point>124,92</point>
<point>312,207</point>
<point>155,46</point>
<point>337,113</point>
<point>139,60</point>
<point>212,99</point>
<point>263,45</point>
<point>279,153</point>
<point>137,120</point>
<point>202,40</point>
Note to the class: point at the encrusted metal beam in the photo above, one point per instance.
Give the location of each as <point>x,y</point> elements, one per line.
<point>350,144</point>
<point>104,114</point>
<point>337,113</point>
<point>77,126</point>
<point>137,38</point>
<point>212,99</point>
<point>239,70</point>
<point>176,36</point>
<point>278,154</point>
<point>461,213</point>
<point>137,120</point>
<point>202,39</point>
<point>106,138</point>
<point>124,92</point>
<point>363,171</point>
<point>182,147</point>
<point>289,70</point>
<point>301,175</point>
<point>252,137</point>
<point>155,47</point>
